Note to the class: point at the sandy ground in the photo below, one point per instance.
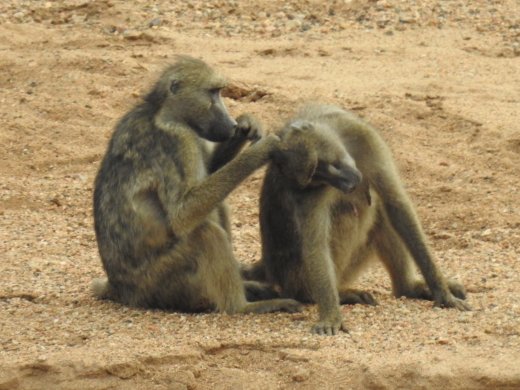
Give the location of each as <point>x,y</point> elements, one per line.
<point>440,79</point>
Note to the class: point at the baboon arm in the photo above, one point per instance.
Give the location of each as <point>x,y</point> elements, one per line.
<point>225,152</point>
<point>201,199</point>
<point>319,266</point>
<point>404,220</point>
<point>319,270</point>
<point>248,129</point>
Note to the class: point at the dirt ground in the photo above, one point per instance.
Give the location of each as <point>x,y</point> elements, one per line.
<point>441,79</point>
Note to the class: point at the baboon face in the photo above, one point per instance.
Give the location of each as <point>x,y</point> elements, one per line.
<point>193,96</point>
<point>314,156</point>
<point>208,114</point>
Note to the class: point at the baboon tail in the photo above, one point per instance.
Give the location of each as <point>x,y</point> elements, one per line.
<point>101,288</point>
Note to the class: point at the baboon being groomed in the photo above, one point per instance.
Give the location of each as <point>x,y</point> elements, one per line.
<point>331,200</point>
<point>161,225</point>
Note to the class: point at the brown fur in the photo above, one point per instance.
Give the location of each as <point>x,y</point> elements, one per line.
<point>331,200</point>
<point>161,224</point>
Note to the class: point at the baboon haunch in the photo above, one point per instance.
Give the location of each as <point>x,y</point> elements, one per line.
<point>161,225</point>
<point>331,200</point>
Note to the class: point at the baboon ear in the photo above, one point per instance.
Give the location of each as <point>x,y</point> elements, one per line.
<point>305,166</point>
<point>300,127</point>
<point>297,158</point>
<point>175,86</point>
<point>297,162</point>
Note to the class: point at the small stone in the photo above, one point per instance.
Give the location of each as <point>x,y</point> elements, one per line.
<point>486,232</point>
<point>301,375</point>
<point>19,15</point>
<point>155,22</point>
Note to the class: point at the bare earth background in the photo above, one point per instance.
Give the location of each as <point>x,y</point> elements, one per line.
<point>441,79</point>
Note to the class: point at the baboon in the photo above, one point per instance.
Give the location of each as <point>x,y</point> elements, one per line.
<point>161,224</point>
<point>331,200</point>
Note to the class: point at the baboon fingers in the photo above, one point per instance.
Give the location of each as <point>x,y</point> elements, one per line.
<point>292,307</point>
<point>368,299</point>
<point>353,297</point>
<point>415,290</point>
<point>452,302</point>
<point>249,127</point>
<point>457,289</point>
<point>419,290</point>
<point>272,305</point>
<point>329,328</point>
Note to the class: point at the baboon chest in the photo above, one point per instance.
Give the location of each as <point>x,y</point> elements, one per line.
<point>352,220</point>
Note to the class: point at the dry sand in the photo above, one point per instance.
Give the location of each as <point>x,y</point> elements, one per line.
<point>441,79</point>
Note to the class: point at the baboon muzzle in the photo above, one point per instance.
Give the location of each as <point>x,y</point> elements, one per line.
<point>344,178</point>
<point>225,125</point>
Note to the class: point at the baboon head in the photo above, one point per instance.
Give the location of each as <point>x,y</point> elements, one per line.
<point>313,155</point>
<point>189,92</point>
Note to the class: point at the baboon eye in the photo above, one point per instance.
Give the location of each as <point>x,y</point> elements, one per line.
<point>175,86</point>
<point>214,91</point>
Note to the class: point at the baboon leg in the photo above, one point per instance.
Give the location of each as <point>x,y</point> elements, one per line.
<point>254,271</point>
<point>256,291</point>
<point>397,260</point>
<point>350,296</point>
<point>404,221</point>
<point>219,278</point>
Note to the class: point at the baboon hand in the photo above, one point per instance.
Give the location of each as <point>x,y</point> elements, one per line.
<point>329,328</point>
<point>329,325</point>
<point>249,127</point>
<point>450,301</point>
<point>269,143</point>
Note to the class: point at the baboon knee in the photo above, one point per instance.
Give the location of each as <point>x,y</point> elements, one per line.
<point>100,288</point>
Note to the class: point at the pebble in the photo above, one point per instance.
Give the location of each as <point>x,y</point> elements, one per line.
<point>301,375</point>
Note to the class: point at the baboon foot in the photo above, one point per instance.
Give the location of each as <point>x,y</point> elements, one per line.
<point>457,289</point>
<point>258,291</point>
<point>254,271</point>
<point>100,288</point>
<point>272,305</point>
<point>416,290</point>
<point>419,290</point>
<point>450,301</point>
<point>353,297</point>
<point>453,299</point>
<point>329,327</point>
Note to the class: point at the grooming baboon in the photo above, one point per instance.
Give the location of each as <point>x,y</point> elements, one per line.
<point>161,224</point>
<point>331,199</point>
